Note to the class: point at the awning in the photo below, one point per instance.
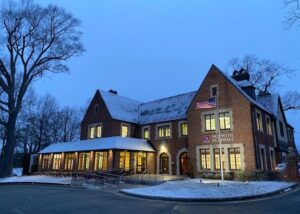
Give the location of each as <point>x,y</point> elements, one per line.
<point>107,143</point>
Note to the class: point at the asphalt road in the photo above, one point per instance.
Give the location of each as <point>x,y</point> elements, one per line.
<point>42,199</point>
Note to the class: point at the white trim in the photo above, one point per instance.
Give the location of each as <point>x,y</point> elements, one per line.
<point>95,133</point>
<point>261,159</point>
<point>272,162</point>
<point>158,161</point>
<point>178,161</point>
<point>179,128</point>
<point>159,125</point>
<point>143,128</point>
<point>210,90</point>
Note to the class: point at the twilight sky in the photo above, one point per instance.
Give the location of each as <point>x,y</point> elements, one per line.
<point>156,48</point>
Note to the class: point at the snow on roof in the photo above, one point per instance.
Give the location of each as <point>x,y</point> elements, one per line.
<point>236,85</point>
<point>121,108</point>
<point>106,143</point>
<point>270,101</point>
<point>166,109</point>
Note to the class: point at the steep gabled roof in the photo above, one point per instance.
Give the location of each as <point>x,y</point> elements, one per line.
<point>167,109</point>
<point>270,101</point>
<point>121,108</point>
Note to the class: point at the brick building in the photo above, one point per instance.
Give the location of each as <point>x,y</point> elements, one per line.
<point>172,136</point>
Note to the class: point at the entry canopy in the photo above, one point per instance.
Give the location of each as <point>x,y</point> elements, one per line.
<point>107,143</point>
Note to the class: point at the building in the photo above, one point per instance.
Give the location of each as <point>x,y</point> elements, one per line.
<point>172,136</point>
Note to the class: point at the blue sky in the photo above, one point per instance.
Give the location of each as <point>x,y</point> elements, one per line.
<point>157,48</point>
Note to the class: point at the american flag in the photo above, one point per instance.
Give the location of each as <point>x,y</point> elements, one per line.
<point>211,103</point>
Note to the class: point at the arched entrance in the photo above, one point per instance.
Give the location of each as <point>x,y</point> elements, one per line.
<point>164,163</point>
<point>184,163</point>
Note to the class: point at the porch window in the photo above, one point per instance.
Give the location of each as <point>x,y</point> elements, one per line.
<point>46,161</point>
<point>84,161</point>
<point>69,161</point>
<point>101,159</point>
<point>56,161</point>
<point>124,160</point>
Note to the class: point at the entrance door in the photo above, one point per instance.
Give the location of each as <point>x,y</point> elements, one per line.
<point>184,163</point>
<point>141,162</point>
<point>164,163</point>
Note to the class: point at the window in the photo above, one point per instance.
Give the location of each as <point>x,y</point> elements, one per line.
<point>56,161</point>
<point>272,159</point>
<point>269,126</point>
<point>46,161</point>
<point>101,159</point>
<point>92,132</point>
<point>235,158</point>
<point>96,108</point>
<point>125,131</point>
<point>183,129</point>
<point>164,131</point>
<point>146,133</point>
<point>217,159</point>
<point>224,118</point>
<point>210,122</point>
<point>95,131</point>
<point>214,91</point>
<point>124,160</point>
<point>259,121</point>
<point>84,161</point>
<point>281,129</point>
<point>205,159</point>
<point>69,161</point>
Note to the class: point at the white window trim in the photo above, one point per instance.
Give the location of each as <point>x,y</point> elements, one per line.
<point>214,112</point>
<point>95,125</point>
<point>261,158</point>
<point>273,162</point>
<point>125,124</point>
<point>210,90</point>
<point>261,121</point>
<point>143,128</point>
<point>179,129</point>
<point>163,124</point>
<point>266,119</point>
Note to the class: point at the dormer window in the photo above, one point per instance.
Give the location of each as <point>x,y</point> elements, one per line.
<point>124,130</point>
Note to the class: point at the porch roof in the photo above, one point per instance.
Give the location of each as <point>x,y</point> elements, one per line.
<point>107,143</point>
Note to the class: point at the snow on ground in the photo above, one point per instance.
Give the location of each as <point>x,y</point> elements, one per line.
<point>17,171</point>
<point>37,179</point>
<point>192,188</point>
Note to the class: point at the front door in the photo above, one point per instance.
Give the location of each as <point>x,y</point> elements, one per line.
<point>164,160</point>
<point>184,163</point>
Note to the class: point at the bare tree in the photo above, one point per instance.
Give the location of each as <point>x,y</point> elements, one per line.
<point>34,40</point>
<point>293,14</point>
<point>266,75</point>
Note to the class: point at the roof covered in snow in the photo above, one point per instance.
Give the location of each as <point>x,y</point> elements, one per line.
<point>167,109</point>
<point>106,143</point>
<point>121,108</point>
<point>270,101</point>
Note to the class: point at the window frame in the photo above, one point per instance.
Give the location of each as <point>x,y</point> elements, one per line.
<point>205,165</point>
<point>144,128</point>
<point>180,129</point>
<point>128,129</point>
<point>164,129</point>
<point>211,89</point>
<point>211,118</point>
<point>95,127</point>
<point>259,124</point>
<point>237,164</point>
<point>269,125</point>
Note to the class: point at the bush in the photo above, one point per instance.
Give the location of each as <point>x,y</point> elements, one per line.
<point>254,176</point>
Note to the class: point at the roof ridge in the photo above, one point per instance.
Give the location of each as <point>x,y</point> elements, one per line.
<point>107,92</point>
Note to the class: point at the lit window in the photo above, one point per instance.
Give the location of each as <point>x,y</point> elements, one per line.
<point>69,161</point>
<point>205,159</point>
<point>46,161</point>
<point>101,159</point>
<point>92,132</point>
<point>235,158</point>
<point>210,122</point>
<point>224,121</point>
<point>217,159</point>
<point>269,126</point>
<point>183,129</point>
<point>56,161</point>
<point>84,161</point>
<point>146,133</point>
<point>124,161</point>
<point>99,131</point>
<point>125,131</point>
<point>164,131</point>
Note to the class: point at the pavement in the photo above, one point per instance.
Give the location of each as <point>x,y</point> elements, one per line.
<point>50,199</point>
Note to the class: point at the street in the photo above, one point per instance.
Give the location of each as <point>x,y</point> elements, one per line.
<point>43,199</point>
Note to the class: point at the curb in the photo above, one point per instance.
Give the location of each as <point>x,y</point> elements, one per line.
<point>242,198</point>
<point>35,183</point>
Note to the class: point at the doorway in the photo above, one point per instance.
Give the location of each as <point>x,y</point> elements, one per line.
<point>184,162</point>
<point>164,163</point>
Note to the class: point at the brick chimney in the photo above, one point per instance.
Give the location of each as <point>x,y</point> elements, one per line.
<point>242,78</point>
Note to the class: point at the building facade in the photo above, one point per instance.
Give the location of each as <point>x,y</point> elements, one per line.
<point>173,136</point>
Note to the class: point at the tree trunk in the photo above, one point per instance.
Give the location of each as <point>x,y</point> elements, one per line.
<point>6,159</point>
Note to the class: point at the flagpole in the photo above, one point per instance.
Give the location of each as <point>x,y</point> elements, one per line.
<point>219,137</point>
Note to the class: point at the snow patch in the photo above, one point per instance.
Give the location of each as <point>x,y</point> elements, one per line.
<point>37,179</point>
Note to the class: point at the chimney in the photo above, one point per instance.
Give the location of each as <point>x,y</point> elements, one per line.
<point>242,78</point>
<point>113,91</point>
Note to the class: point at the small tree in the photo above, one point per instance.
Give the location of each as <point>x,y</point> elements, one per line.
<point>265,76</point>
<point>34,40</point>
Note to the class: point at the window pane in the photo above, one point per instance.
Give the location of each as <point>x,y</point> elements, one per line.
<point>99,131</point>
<point>168,131</point>
<point>125,131</point>
<point>146,133</point>
<point>213,123</point>
<point>184,131</point>
<point>92,132</point>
